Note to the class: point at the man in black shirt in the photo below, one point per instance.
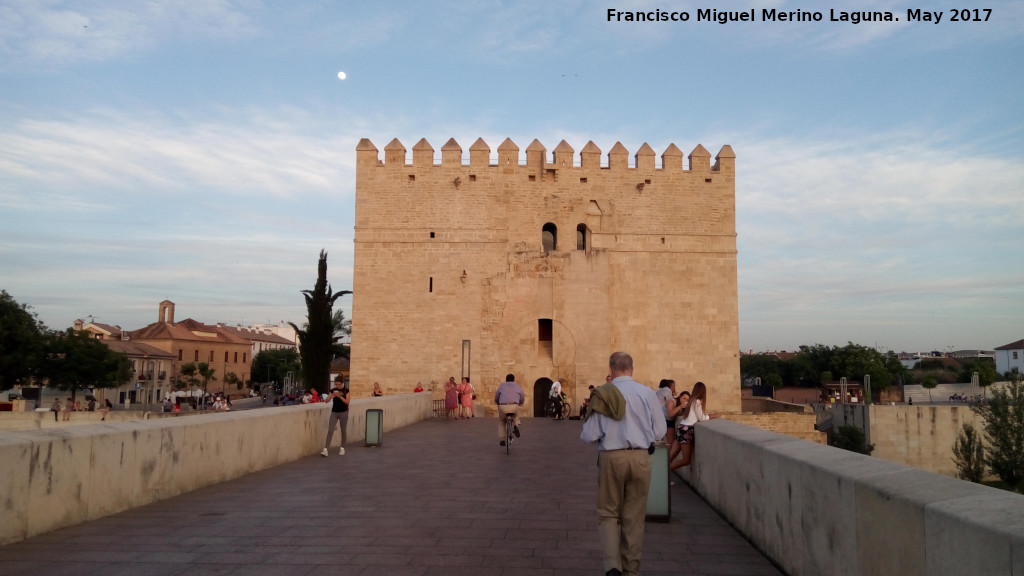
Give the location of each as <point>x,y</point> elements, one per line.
<point>339,413</point>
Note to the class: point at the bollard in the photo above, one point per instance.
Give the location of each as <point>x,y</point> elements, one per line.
<point>374,427</point>
<point>659,500</point>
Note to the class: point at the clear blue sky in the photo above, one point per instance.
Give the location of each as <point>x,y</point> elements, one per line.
<point>203,151</point>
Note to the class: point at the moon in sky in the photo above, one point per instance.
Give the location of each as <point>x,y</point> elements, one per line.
<point>341,75</point>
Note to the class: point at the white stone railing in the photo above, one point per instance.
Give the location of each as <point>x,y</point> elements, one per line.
<point>817,510</point>
<point>59,477</point>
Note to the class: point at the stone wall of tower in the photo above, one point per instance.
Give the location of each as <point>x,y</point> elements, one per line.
<point>451,252</point>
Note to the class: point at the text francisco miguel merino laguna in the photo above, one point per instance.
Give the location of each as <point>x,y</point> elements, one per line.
<point>773,15</point>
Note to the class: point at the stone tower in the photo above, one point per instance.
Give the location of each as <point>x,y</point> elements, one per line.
<point>544,269</point>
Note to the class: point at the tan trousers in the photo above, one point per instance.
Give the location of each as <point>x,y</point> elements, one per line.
<point>624,479</point>
<point>504,409</point>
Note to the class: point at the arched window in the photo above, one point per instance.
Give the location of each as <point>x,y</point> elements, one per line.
<point>581,237</point>
<point>549,237</point>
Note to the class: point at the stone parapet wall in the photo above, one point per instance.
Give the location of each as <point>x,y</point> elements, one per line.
<point>918,436</point>
<point>817,510</point>
<point>55,478</point>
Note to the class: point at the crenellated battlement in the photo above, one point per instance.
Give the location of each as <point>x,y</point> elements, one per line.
<point>562,157</point>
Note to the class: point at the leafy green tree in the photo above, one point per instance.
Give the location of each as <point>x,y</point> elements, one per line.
<point>760,366</point>
<point>929,384</point>
<point>986,370</point>
<point>811,361</point>
<point>21,342</point>
<point>969,454</point>
<point>774,380</point>
<point>1003,414</point>
<point>316,339</point>
<point>188,376</point>
<point>199,373</point>
<point>826,377</point>
<point>232,379</point>
<point>850,438</point>
<point>75,360</point>
<point>273,365</point>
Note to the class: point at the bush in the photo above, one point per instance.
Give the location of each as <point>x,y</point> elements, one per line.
<point>1003,414</point>
<point>850,438</point>
<point>969,454</point>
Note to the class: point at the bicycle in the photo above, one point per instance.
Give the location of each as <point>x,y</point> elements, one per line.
<point>510,425</point>
<point>553,407</point>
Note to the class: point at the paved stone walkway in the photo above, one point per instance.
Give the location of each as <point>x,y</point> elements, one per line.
<point>438,498</point>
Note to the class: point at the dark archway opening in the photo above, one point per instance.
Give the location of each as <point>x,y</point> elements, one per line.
<point>541,389</point>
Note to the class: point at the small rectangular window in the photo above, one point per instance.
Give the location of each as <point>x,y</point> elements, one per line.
<point>243,357</point>
<point>545,346</point>
<point>225,356</point>
<point>431,287</point>
<point>544,330</point>
<point>180,352</point>
<point>431,234</point>
<point>211,355</point>
<point>472,177</point>
<point>533,178</point>
<point>236,357</point>
<point>196,356</point>
<point>412,177</point>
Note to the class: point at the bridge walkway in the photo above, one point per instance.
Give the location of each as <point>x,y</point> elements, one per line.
<point>439,497</point>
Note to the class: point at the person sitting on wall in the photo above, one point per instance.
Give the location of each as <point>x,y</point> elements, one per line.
<point>419,387</point>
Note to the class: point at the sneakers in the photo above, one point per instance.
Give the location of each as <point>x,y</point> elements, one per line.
<point>515,430</point>
<point>501,442</point>
<point>341,451</point>
<point>323,452</point>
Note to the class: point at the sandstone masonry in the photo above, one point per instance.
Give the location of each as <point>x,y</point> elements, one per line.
<point>543,269</point>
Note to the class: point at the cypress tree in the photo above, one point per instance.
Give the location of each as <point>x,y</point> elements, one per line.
<point>317,337</point>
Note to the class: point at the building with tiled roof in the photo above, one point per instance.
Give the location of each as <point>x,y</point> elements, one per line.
<point>262,339</point>
<point>192,341</point>
<point>1009,357</point>
<point>149,381</point>
<point>99,330</point>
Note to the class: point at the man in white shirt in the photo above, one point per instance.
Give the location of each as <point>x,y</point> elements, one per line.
<point>624,419</point>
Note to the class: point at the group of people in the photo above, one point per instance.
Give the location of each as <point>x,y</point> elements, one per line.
<point>682,412</point>
<point>221,403</point>
<point>459,397</point>
<point>623,418</point>
<point>63,412</point>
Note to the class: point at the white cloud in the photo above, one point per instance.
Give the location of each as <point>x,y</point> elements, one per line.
<point>908,232</point>
<point>253,154</point>
<point>55,32</point>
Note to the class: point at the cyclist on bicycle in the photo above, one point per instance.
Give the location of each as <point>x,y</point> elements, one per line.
<point>509,397</point>
<point>555,395</point>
